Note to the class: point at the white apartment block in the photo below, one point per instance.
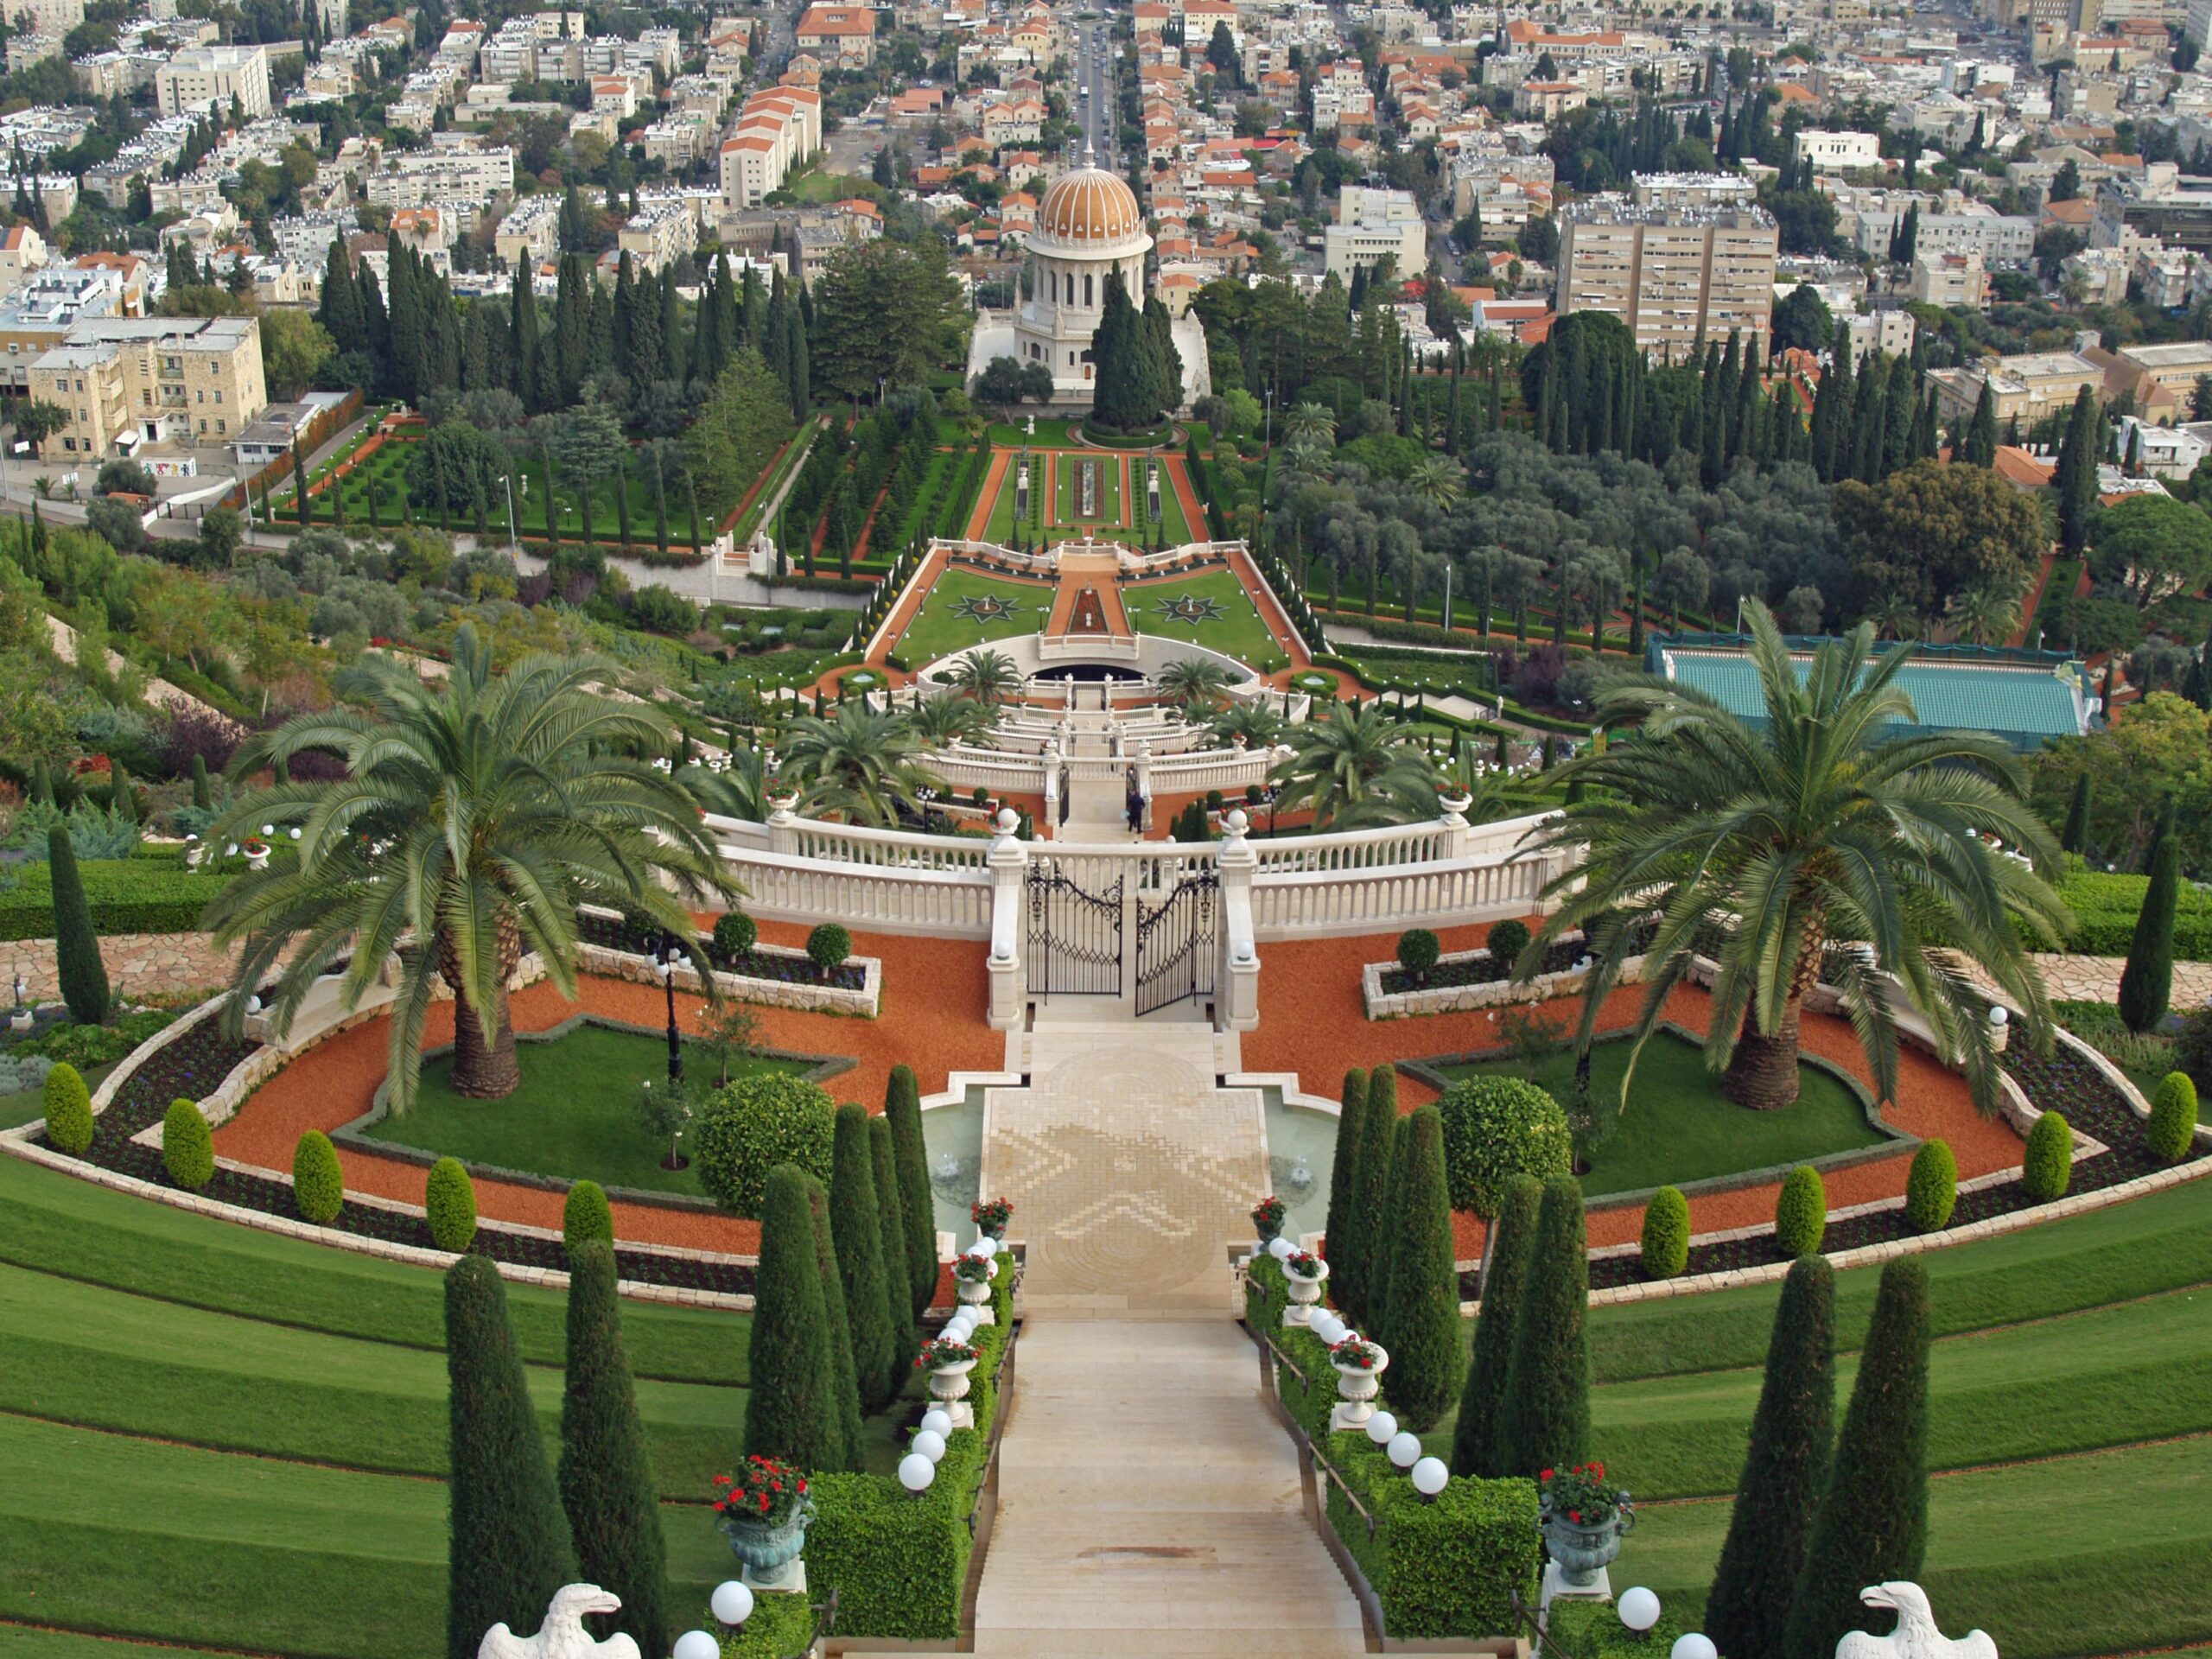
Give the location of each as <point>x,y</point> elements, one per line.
<point>776,131</point>
<point>448,173</point>
<point>1838,150</point>
<point>676,141</point>
<point>1372,226</point>
<point>1679,277</point>
<point>660,233</point>
<point>511,55</point>
<point>530,231</point>
<point>1998,238</point>
<point>203,76</point>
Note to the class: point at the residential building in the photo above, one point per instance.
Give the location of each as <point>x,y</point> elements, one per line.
<point>1836,151</point>
<point>845,34</point>
<point>776,131</point>
<point>1677,276</point>
<point>2161,206</point>
<point>1999,238</point>
<point>458,172</point>
<point>126,382</point>
<point>660,233</point>
<point>23,250</point>
<point>1374,225</point>
<point>2024,388</point>
<point>203,76</point>
<point>1950,279</point>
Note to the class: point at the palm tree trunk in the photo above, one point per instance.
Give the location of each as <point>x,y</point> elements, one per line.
<point>484,1070</point>
<point>1762,1073</point>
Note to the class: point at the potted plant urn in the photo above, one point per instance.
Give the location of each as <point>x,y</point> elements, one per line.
<point>1267,1222</point>
<point>991,1217</point>
<point>763,1510</point>
<point>257,853</point>
<point>1583,1517</point>
<point>1303,1272</point>
<point>1360,1365</point>
<point>971,1280</point>
<point>948,1364</point>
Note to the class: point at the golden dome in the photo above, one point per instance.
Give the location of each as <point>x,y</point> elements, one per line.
<point>1089,205</point>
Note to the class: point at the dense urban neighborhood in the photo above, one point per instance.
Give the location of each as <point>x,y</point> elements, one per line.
<point>1191,827</point>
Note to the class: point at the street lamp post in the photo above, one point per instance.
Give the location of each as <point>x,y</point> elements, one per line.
<point>668,984</point>
<point>514,539</point>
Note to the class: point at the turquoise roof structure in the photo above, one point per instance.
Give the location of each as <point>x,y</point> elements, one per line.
<point>2024,698</point>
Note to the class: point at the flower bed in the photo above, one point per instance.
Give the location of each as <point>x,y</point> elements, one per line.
<point>767,974</point>
<point>1466,979</point>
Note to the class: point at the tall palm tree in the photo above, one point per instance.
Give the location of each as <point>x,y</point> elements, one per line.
<point>1356,770</point>
<point>1761,843</point>
<point>1260,726</point>
<point>1310,424</point>
<point>1894,617</point>
<point>1438,479</point>
<point>1982,616</point>
<point>475,816</point>
<point>858,764</point>
<point>987,677</point>
<point>736,788</point>
<point>1194,683</point>
<point>941,720</point>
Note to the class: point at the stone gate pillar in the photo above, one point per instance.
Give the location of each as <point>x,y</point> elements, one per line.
<point>1008,862</point>
<point>1237,985</point>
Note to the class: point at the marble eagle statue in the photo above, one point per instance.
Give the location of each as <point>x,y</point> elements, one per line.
<point>1916,1635</point>
<point>562,1635</point>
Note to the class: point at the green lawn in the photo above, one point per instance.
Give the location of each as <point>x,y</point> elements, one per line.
<point>1067,503</point>
<point>1059,517</point>
<point>939,628</point>
<point>23,1641</point>
<point>1235,629</point>
<point>574,1117</point>
<point>1678,1129</point>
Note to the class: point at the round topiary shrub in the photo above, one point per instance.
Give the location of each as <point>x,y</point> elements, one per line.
<point>1931,1189</point>
<point>735,934</point>
<point>318,1185</point>
<point>1507,940</point>
<point>1496,1129</point>
<point>450,1198</point>
<point>68,1110</point>
<point>1666,1233</point>
<point>585,1217</point>
<point>828,944</point>
<point>1418,950</point>
<point>751,1125</point>
<point>187,1146</point>
<point>1801,1214</point>
<point>2172,1126</point>
<point>2048,1164</point>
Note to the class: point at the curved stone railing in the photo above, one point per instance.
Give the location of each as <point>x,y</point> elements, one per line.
<point>1321,903</point>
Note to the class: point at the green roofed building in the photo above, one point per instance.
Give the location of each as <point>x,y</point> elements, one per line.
<point>2024,698</point>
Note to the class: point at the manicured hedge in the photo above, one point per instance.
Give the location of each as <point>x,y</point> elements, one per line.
<point>449,1204</point>
<point>2105,908</point>
<point>900,1562</point>
<point>127,895</point>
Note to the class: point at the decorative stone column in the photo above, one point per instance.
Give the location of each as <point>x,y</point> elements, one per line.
<point>783,826</point>
<point>1008,862</point>
<point>1457,834</point>
<point>1238,987</point>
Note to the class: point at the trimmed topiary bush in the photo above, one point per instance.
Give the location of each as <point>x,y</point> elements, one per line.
<point>1801,1214</point>
<point>68,1110</point>
<point>2047,1166</point>
<point>1666,1233</point>
<point>1544,1419</point>
<point>450,1201</point>
<point>1931,1189</point>
<point>1425,1351</point>
<point>2172,1126</point>
<point>585,1217</point>
<point>1785,1469</point>
<point>1383,1227</point>
<point>1474,1448</point>
<point>1872,1524</point>
<point>735,934</point>
<point>318,1183</point>
<point>753,1123</point>
<point>828,944</point>
<point>1418,949</point>
<point>1507,940</point>
<point>76,942</point>
<point>1496,1129</point>
<point>187,1146</point>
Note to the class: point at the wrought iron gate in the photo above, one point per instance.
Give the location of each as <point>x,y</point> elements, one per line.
<point>1074,936</point>
<point>1176,943</point>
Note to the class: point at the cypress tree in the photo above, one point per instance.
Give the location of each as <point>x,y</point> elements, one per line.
<point>76,943</point>
<point>339,311</point>
<point>883,1152</point>
<point>1982,435</point>
<point>2146,983</point>
<point>203,794</point>
<point>1424,1346</point>
<point>791,1411</point>
<point>2076,477</point>
<point>523,326</point>
<point>1785,1469</point>
<point>2076,836</point>
<point>844,1372</point>
<point>1383,1227</point>
<point>1544,1419</point>
<point>606,1473</point>
<point>509,1549</point>
<point>1343,1225</point>
<point>1873,1524</point>
<point>857,1224</point>
<point>672,327</point>
<point>1353,1279</point>
<point>902,1107</point>
<point>1475,1439</point>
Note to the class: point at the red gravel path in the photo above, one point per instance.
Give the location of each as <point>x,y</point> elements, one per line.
<point>935,995</point>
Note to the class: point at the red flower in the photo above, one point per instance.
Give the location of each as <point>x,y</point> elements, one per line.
<point>1547,1475</point>
<point>1575,1515</point>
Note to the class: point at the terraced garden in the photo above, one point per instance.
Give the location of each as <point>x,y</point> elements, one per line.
<point>1212,610</point>
<point>968,609</point>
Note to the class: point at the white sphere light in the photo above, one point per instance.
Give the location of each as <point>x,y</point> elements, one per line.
<point>1328,1327</point>
<point>1404,1449</point>
<point>267,830</point>
<point>696,1645</point>
<point>929,1444</point>
<point>731,1602</point>
<point>1639,1609</point>
<point>1380,1427</point>
<point>915,1473</point>
<point>935,1422</point>
<point>295,832</point>
<point>1693,1646</point>
<point>1278,1246</point>
<point>1430,1477</point>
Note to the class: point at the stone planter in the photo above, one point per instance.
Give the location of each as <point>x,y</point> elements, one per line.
<point>1304,1294</point>
<point>1356,1392</point>
<point>771,1550</point>
<point>1583,1553</point>
<point>256,860</point>
<point>21,1020</point>
<point>948,1389</point>
<point>976,1296</point>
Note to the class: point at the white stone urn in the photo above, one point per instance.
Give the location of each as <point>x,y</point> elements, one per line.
<point>949,1388</point>
<point>1357,1388</point>
<point>976,1296</point>
<point>1304,1293</point>
<point>257,855</point>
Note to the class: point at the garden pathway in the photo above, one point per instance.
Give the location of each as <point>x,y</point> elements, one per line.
<point>2096,979</point>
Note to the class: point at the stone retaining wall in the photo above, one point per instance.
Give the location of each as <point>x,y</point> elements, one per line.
<point>139,965</point>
